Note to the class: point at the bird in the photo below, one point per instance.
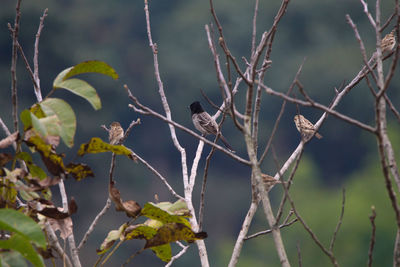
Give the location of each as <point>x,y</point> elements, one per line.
<point>269,181</point>
<point>388,42</point>
<point>305,127</point>
<point>204,123</point>
<point>116,133</point>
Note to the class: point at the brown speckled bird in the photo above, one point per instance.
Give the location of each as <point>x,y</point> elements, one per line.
<point>116,133</point>
<point>388,42</point>
<point>305,127</point>
<point>269,181</point>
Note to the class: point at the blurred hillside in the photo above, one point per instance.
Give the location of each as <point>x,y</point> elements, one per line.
<point>115,32</point>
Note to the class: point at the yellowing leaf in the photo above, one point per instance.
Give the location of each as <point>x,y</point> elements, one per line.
<point>53,161</point>
<point>163,252</point>
<point>112,236</point>
<point>153,212</point>
<point>96,145</point>
<point>172,232</point>
<point>79,171</point>
<point>140,231</point>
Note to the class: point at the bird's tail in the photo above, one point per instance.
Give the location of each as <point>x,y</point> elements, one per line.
<point>318,135</point>
<point>228,146</point>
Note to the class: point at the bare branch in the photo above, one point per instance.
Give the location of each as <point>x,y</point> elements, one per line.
<point>203,187</point>
<point>369,16</point>
<point>278,119</point>
<point>339,222</point>
<point>321,107</point>
<point>183,251</point>
<point>224,46</point>
<point>392,107</point>
<point>53,242</point>
<point>372,240</point>
<point>168,117</point>
<point>243,232</point>
<point>269,230</point>
<point>38,91</point>
<point>362,47</point>
<point>94,223</point>
<point>221,78</point>
<point>254,34</point>
<point>306,227</point>
<point>14,57</point>
<point>28,67</point>
<point>299,253</point>
<point>162,178</point>
<point>71,239</point>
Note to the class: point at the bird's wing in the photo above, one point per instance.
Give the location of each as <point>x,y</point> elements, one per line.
<point>208,123</point>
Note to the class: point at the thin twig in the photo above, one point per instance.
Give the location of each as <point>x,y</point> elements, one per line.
<point>94,223</point>
<point>159,175</point>
<point>53,242</point>
<point>71,239</point>
<point>243,232</point>
<point>225,46</point>
<point>362,47</point>
<point>306,227</point>
<point>254,34</point>
<point>392,108</point>
<point>372,240</point>
<point>269,230</point>
<point>38,91</point>
<point>299,253</point>
<point>339,222</point>
<point>28,67</point>
<point>183,251</point>
<point>221,79</point>
<point>278,119</point>
<point>14,57</point>
<point>331,111</point>
<point>168,117</point>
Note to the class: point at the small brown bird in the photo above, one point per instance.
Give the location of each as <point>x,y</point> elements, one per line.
<point>115,134</point>
<point>269,181</point>
<point>388,42</point>
<point>305,127</point>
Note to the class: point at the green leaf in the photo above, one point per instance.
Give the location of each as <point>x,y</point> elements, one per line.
<point>21,244</point>
<point>82,89</point>
<point>35,170</point>
<point>14,221</point>
<point>96,145</point>
<point>92,66</point>
<point>12,259</point>
<point>64,113</point>
<point>52,125</point>
<point>39,126</point>
<point>26,118</point>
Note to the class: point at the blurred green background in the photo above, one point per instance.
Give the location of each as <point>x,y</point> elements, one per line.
<point>114,31</point>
